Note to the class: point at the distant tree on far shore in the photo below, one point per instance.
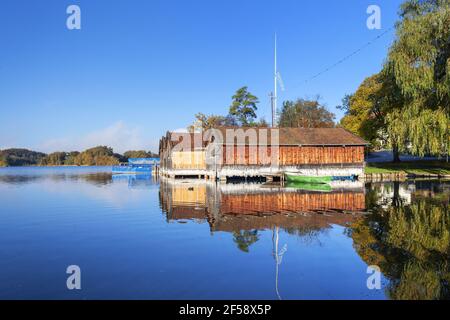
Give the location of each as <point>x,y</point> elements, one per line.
<point>60,159</point>
<point>97,156</point>
<point>55,158</point>
<point>2,161</point>
<point>20,157</point>
<point>305,114</point>
<point>71,157</point>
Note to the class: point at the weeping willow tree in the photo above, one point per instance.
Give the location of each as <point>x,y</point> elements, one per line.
<point>420,281</point>
<point>422,231</point>
<point>419,61</point>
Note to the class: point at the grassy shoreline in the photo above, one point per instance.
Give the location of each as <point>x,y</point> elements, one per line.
<point>418,168</point>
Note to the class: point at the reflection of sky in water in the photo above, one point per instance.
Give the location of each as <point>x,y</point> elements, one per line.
<point>113,227</point>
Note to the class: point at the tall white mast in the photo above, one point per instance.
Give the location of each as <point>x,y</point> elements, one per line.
<point>274,98</point>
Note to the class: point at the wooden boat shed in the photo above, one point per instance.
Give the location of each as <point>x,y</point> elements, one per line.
<point>261,152</point>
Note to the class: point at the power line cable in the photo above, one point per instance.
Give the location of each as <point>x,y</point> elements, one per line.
<point>347,56</point>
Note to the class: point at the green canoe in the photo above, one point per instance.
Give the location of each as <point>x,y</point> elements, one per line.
<point>322,187</point>
<point>308,179</point>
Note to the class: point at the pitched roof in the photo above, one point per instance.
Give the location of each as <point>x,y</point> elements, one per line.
<point>287,137</point>
<point>319,136</point>
<point>190,140</point>
<point>306,136</point>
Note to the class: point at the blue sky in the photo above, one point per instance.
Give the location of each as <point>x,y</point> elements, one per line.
<point>138,68</point>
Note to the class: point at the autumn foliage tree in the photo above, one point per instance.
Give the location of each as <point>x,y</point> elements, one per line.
<point>366,110</point>
<point>54,159</point>
<point>305,114</point>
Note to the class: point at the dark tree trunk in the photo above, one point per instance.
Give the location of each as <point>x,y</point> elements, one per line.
<point>396,200</point>
<point>396,153</point>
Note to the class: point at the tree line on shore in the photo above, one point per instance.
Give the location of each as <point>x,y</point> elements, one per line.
<point>302,113</point>
<point>404,107</point>
<point>97,156</point>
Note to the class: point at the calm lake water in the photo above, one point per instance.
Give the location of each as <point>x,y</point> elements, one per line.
<point>141,238</point>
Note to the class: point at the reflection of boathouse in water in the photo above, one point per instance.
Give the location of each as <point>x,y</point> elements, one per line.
<point>243,209</point>
<point>233,207</point>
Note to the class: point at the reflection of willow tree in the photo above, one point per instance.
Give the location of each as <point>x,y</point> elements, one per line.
<point>411,245</point>
<point>244,239</point>
<point>372,197</point>
<point>396,199</point>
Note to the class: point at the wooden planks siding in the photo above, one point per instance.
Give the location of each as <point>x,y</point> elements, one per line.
<point>292,202</point>
<point>294,155</point>
<point>188,160</point>
<point>246,155</point>
<point>192,196</point>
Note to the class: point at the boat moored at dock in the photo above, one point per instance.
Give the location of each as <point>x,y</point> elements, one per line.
<point>298,178</point>
<point>136,166</point>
